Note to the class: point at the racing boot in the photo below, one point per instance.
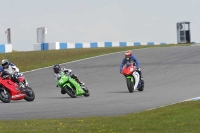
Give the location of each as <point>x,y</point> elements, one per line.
<point>141,77</point>
<point>81,83</point>
<point>77,79</point>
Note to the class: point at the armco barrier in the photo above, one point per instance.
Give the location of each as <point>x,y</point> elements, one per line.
<point>5,48</point>
<point>61,45</point>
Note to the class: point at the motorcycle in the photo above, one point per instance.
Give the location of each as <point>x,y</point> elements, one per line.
<point>71,86</point>
<point>132,77</point>
<point>10,90</point>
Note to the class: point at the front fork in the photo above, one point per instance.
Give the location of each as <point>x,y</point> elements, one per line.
<point>130,77</point>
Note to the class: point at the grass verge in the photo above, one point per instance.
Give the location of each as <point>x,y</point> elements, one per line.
<point>177,118</point>
<point>181,117</point>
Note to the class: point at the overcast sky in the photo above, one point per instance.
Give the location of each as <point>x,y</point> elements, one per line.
<point>97,20</point>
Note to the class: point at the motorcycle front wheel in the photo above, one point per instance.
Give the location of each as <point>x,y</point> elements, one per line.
<point>30,95</point>
<point>70,91</point>
<point>87,92</point>
<point>130,85</point>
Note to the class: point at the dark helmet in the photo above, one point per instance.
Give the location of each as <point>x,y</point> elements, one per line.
<point>56,68</point>
<point>128,54</point>
<point>5,63</point>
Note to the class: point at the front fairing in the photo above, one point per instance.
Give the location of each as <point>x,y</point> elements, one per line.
<point>10,85</point>
<point>62,80</point>
<point>128,69</point>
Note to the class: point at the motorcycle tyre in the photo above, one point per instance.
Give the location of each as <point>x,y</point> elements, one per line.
<point>141,87</point>
<point>4,100</point>
<point>87,94</point>
<point>130,85</point>
<point>30,98</point>
<point>69,93</point>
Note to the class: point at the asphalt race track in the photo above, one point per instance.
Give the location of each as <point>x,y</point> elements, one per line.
<point>171,75</point>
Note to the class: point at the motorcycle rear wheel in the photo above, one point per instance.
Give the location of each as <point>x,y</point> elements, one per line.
<point>141,88</point>
<point>130,85</point>
<point>5,97</point>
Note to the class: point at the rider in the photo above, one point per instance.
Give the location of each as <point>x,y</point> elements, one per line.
<point>130,58</point>
<point>58,71</point>
<point>10,68</point>
<point>5,64</point>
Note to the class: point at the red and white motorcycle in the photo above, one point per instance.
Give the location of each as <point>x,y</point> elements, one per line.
<point>132,77</point>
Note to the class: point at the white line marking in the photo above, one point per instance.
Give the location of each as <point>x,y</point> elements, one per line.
<point>192,99</point>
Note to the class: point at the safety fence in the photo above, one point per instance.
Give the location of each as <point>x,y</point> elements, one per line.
<point>63,45</point>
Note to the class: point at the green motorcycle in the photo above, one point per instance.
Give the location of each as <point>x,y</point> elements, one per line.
<point>71,86</point>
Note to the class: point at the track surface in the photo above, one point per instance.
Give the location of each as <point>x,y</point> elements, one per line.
<point>171,75</point>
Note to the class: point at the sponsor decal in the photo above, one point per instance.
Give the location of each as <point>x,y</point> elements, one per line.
<point>16,96</point>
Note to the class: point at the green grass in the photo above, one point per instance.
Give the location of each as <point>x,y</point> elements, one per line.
<point>178,118</point>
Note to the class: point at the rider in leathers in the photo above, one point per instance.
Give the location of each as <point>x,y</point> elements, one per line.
<point>130,58</point>
<point>58,71</point>
<point>9,69</point>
